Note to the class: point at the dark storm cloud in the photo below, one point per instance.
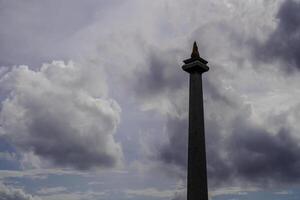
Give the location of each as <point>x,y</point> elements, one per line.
<point>262,157</point>
<point>250,154</point>
<point>218,168</point>
<point>73,150</point>
<point>175,152</point>
<point>161,75</point>
<point>284,42</point>
<point>247,153</point>
<point>162,79</point>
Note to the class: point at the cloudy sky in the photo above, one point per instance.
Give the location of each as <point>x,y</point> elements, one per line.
<point>93,100</point>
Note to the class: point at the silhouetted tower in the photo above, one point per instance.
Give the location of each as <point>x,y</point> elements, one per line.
<point>197,175</point>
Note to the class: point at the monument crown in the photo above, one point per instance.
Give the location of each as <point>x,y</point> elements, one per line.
<point>195,63</point>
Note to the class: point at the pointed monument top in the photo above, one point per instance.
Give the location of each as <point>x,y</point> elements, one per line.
<point>195,52</point>
<point>195,56</point>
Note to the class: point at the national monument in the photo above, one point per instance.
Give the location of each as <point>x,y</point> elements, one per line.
<point>197,174</point>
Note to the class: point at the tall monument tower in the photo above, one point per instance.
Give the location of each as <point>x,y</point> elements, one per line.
<point>197,175</point>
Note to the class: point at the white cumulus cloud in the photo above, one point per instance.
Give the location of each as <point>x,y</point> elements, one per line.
<point>9,193</point>
<point>60,113</point>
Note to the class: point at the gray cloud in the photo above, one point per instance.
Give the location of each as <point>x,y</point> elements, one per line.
<point>34,32</point>
<point>9,193</point>
<point>239,149</point>
<point>161,75</point>
<point>56,114</point>
<point>50,129</point>
<point>179,196</point>
<point>175,152</point>
<point>284,43</point>
<point>259,156</point>
<point>246,154</point>
<point>230,87</point>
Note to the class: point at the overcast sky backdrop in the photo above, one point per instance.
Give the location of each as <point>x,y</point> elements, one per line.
<point>93,100</point>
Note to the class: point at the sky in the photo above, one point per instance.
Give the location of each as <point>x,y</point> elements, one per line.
<point>94,103</point>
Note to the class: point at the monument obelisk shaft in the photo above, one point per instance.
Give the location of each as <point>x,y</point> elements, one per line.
<point>197,174</point>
